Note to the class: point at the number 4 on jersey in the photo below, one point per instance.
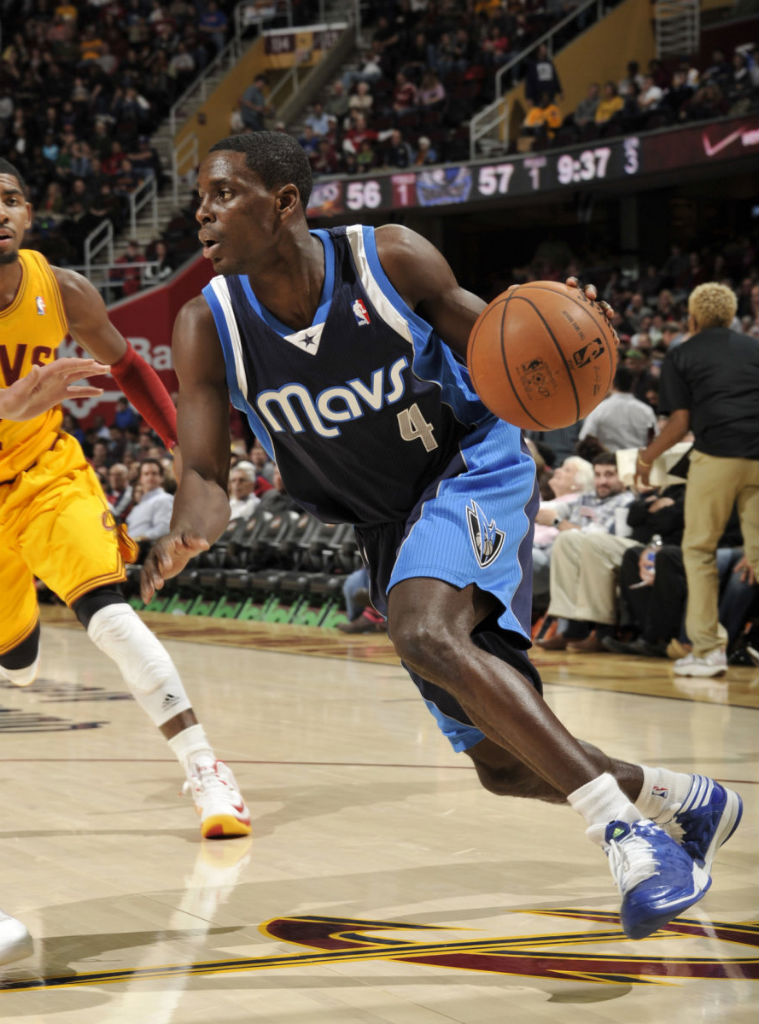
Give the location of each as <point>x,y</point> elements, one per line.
<point>413,425</point>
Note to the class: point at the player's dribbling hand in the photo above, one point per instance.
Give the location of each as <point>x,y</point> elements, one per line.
<point>168,556</point>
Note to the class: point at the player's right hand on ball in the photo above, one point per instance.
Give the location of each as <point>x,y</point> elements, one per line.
<point>591,292</point>
<point>168,556</point>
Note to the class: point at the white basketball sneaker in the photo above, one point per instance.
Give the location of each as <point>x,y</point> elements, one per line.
<point>218,801</point>
<point>15,940</point>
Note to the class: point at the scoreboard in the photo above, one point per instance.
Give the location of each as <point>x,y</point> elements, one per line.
<point>633,158</point>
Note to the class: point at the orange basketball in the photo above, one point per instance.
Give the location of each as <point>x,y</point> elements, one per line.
<point>542,355</point>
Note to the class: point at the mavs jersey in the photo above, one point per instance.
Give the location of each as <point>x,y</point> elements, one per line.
<point>31,329</point>
<point>363,409</point>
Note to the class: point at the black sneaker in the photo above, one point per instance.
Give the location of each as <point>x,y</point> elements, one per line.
<point>639,647</point>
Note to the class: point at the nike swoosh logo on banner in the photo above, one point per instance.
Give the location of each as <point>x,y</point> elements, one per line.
<point>712,150</point>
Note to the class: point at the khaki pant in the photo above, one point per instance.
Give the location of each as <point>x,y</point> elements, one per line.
<point>714,485</point>
<point>584,570</point>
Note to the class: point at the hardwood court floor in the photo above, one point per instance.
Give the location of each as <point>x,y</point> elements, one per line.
<point>381,885</point>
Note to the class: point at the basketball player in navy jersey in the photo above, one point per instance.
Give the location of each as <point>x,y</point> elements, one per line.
<point>346,350</point>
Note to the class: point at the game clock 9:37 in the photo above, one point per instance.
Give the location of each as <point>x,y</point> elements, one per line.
<point>589,165</point>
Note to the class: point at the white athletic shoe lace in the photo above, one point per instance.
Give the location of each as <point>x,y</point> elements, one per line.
<point>209,780</point>
<point>631,861</point>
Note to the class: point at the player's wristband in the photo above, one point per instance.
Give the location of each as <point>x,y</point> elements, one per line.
<point>142,386</point>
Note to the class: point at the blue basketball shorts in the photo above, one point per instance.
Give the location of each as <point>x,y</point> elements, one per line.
<point>474,524</point>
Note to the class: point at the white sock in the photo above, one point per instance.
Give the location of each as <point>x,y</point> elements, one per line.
<point>192,748</point>
<point>601,801</point>
<point>661,788</point>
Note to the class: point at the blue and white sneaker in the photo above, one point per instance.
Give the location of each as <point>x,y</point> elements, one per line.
<point>705,819</point>
<point>657,879</point>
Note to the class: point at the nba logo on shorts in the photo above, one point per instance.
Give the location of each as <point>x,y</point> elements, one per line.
<point>360,312</point>
<point>41,308</point>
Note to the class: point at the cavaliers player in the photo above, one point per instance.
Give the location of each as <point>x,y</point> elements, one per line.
<point>345,348</point>
<point>54,521</point>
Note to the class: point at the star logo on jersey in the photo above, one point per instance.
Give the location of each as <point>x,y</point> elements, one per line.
<point>361,313</point>
<point>41,307</point>
<point>308,339</point>
<point>486,539</point>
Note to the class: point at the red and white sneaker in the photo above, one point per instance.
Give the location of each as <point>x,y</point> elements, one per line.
<point>218,801</point>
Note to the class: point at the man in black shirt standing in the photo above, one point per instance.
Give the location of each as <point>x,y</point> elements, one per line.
<point>710,385</point>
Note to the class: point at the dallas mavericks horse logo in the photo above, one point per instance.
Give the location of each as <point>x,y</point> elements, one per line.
<point>487,541</point>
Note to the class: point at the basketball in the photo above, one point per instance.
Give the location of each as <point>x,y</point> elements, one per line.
<point>542,355</point>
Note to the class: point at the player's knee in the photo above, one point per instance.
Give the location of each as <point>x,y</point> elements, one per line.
<point>426,645</point>
<point>21,664</point>
<point>119,632</point>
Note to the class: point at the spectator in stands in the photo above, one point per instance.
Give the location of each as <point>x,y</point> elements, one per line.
<point>362,617</point>
<point>678,94</point>
<point>432,94</point>
<point>710,385</point>
<point>309,141</point>
<point>317,120</point>
<point>425,153</point>
<point>127,271</point>
<point>119,491</point>
<point>253,105</point>
<point>649,98</point>
<point>585,111</point>
<point>632,83</point>
<point>586,554</point>
<point>609,105</point>
<point>160,263</point>
<point>213,25</point>
<point>621,420</point>
<point>326,159</point>
<point>265,467</point>
<point>366,158</point>
<point>541,124</point>
<point>242,484</point>
<point>542,78</point>
<point>398,152</point>
<point>356,134</point>
<point>567,482</point>
<point>706,103</point>
<point>719,71</point>
<point>125,416</point>
<point>361,99</point>
<point>369,70</point>
<point>150,518</point>
<point>337,101</point>
<point>145,159</point>
<point>404,94</point>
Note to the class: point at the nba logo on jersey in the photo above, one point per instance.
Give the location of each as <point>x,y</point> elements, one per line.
<point>361,313</point>
<point>41,308</point>
<point>486,540</point>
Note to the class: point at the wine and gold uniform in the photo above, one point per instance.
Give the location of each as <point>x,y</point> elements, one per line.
<point>55,523</point>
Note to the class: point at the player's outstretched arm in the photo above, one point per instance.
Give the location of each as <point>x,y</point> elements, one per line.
<point>201,505</point>
<point>46,386</point>
<point>91,326</point>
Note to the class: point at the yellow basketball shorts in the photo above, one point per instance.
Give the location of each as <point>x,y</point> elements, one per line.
<point>55,524</point>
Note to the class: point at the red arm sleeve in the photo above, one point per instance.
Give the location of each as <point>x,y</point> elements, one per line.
<point>142,386</point>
